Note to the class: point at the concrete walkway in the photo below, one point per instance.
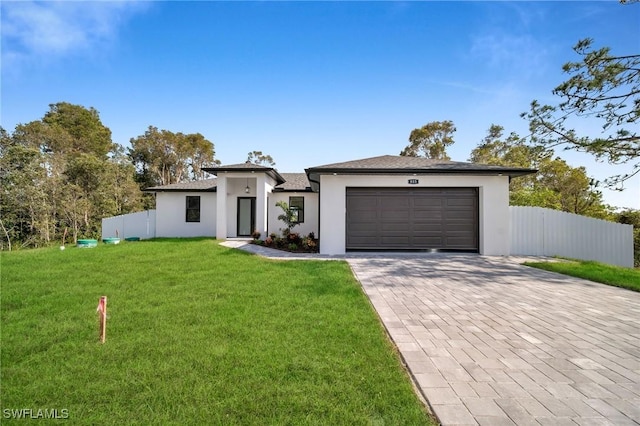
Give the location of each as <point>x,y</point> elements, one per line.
<point>490,342</point>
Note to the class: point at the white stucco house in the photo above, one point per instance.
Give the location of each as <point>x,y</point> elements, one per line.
<point>380,203</point>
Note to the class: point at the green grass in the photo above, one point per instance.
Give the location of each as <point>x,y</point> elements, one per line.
<point>197,334</point>
<point>628,278</point>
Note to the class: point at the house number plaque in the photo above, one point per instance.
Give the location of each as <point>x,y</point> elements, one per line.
<point>413,181</point>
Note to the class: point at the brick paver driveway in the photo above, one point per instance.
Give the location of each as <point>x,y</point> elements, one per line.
<point>491,342</point>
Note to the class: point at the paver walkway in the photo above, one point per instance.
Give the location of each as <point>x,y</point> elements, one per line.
<point>492,342</point>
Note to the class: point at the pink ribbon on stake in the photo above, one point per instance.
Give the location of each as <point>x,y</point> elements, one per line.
<point>101,305</point>
<point>102,310</point>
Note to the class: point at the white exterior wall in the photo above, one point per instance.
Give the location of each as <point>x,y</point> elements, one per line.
<point>493,206</point>
<point>233,187</point>
<point>171,215</point>
<point>310,212</point>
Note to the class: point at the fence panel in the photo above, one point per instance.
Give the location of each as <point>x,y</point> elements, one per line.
<point>140,224</point>
<point>545,232</point>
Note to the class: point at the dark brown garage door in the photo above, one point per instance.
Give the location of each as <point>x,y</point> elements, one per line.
<point>412,218</point>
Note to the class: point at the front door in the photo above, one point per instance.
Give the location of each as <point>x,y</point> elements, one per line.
<point>246,216</point>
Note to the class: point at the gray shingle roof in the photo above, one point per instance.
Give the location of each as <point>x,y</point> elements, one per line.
<point>385,164</point>
<point>240,166</point>
<point>399,163</point>
<point>402,164</point>
<point>294,182</point>
<point>246,167</point>
<point>205,185</point>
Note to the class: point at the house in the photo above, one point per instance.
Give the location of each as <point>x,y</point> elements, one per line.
<point>380,203</point>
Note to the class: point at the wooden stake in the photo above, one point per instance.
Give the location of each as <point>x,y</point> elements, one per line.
<point>102,310</point>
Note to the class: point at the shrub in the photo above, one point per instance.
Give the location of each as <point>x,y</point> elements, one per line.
<point>255,235</point>
<point>288,216</point>
<point>294,238</point>
<point>290,241</point>
<point>310,244</point>
<point>280,242</point>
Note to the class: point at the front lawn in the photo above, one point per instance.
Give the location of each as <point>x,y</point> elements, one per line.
<point>607,274</point>
<point>197,334</point>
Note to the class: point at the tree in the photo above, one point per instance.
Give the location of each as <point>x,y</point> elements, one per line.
<point>257,157</point>
<point>162,157</point>
<point>126,194</point>
<point>602,87</point>
<point>24,207</point>
<point>431,140</point>
<point>556,185</point>
<point>55,174</point>
<point>87,133</point>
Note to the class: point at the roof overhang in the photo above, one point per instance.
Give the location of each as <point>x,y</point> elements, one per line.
<point>160,189</point>
<point>271,172</point>
<point>314,174</point>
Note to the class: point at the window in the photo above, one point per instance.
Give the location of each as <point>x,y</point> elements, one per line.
<point>193,208</point>
<point>297,206</point>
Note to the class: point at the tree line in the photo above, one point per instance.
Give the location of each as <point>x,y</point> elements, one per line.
<point>63,173</point>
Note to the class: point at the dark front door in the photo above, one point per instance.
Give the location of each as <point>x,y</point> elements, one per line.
<point>412,218</point>
<point>246,216</point>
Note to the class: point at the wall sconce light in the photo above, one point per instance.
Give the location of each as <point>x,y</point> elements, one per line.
<point>247,189</point>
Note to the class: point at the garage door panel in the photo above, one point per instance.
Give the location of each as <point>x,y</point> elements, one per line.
<point>412,218</point>
<point>453,242</point>
<point>397,202</point>
<point>427,215</point>
<point>364,227</point>
<point>427,227</point>
<point>394,227</point>
<point>428,241</point>
<point>456,215</point>
<point>395,240</point>
<point>428,203</point>
<point>461,230</point>
<point>395,215</point>
<point>362,203</point>
<point>461,202</point>
<point>364,241</point>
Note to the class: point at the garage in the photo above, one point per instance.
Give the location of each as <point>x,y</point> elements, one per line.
<point>412,218</point>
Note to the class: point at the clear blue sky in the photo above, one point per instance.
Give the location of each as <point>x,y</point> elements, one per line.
<point>309,83</point>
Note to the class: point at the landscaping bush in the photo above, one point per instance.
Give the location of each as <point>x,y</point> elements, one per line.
<point>290,241</point>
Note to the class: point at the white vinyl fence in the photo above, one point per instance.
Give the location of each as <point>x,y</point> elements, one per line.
<point>544,232</point>
<point>141,224</point>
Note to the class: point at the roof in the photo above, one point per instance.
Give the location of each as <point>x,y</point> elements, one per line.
<point>247,167</point>
<point>294,182</point>
<point>398,164</point>
<point>385,164</point>
<point>402,164</point>
<point>206,185</point>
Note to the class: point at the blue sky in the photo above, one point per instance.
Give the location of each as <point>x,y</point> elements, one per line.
<point>309,83</point>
